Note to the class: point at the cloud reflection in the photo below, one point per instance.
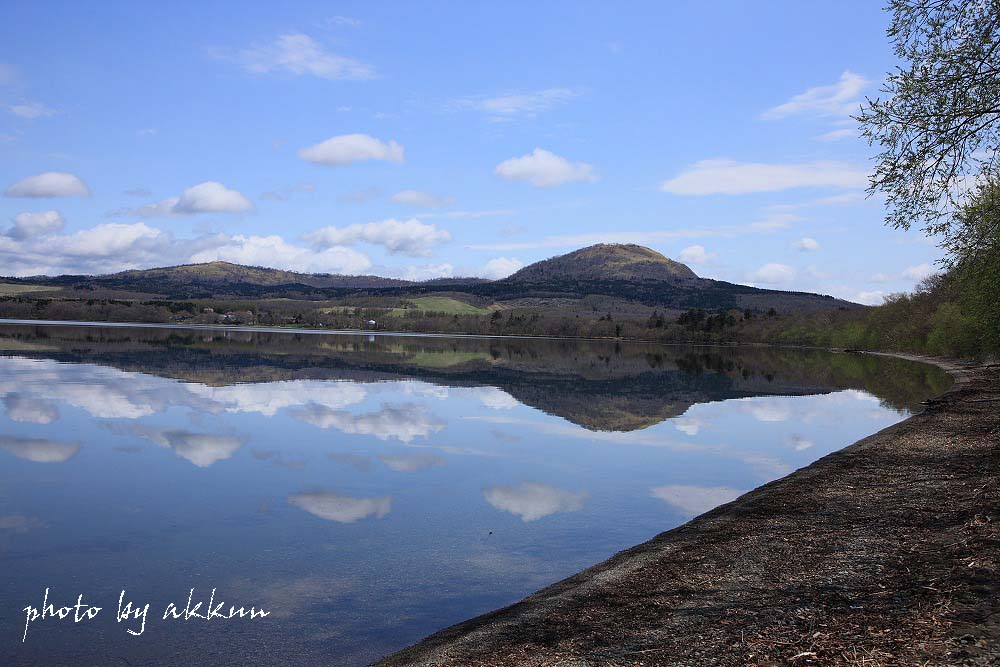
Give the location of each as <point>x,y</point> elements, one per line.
<point>411,462</point>
<point>694,500</point>
<point>533,500</point>
<point>23,408</point>
<point>201,449</point>
<point>342,509</point>
<point>405,422</point>
<point>40,451</point>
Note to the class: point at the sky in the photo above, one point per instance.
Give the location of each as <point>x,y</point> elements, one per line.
<point>428,139</point>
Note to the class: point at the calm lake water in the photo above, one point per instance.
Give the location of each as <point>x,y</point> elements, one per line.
<point>367,491</point>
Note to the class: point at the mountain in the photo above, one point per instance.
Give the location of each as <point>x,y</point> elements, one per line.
<point>628,279</point>
<point>606,261</point>
<point>214,277</point>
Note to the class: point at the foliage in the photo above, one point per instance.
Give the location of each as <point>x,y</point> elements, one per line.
<point>938,124</point>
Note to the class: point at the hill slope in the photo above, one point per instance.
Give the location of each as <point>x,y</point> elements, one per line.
<point>629,275</point>
<point>606,261</point>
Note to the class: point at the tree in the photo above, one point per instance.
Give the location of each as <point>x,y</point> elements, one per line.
<point>976,263</point>
<point>939,124</point>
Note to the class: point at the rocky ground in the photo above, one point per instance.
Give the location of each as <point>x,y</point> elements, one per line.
<point>884,553</point>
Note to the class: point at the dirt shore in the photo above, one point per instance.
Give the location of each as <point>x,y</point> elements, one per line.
<point>884,553</point>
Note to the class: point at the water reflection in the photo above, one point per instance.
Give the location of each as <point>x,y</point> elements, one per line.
<point>404,422</point>
<point>372,490</point>
<point>40,451</point>
<point>533,500</point>
<point>342,509</point>
<point>694,500</point>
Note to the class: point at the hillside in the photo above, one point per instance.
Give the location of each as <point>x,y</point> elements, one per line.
<point>626,282</point>
<point>212,279</point>
<point>606,261</point>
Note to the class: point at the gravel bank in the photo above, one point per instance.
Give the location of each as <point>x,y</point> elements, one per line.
<point>884,553</point>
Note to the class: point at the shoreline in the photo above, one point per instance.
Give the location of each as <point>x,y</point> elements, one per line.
<point>886,552</point>
<point>251,328</point>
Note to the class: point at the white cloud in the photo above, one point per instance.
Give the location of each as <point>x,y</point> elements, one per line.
<point>511,105</point>
<point>212,197</point>
<point>163,208</point>
<point>533,500</point>
<point>869,298</point>
<point>695,500</point>
<point>346,149</point>
<point>274,251</point>
<point>342,509</point>
<point>806,244</point>
<point>299,54</point>
<point>29,225</point>
<point>425,272</point>
<point>31,110</point>
<point>725,176</point>
<point>545,170</point>
<point>837,135</point>
<point>918,272</point>
<point>774,221</point>
<point>112,247</point>
<point>49,184</point>
<point>839,99</point>
<point>422,199</point>
<point>773,274</point>
<point>407,237</point>
<point>696,254</point>
<point>844,199</point>
<point>109,239</point>
<point>500,267</point>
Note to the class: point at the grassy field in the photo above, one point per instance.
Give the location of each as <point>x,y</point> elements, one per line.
<point>13,289</point>
<point>425,304</point>
<point>444,304</point>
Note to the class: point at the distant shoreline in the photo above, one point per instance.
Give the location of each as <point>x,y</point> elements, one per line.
<point>415,334</point>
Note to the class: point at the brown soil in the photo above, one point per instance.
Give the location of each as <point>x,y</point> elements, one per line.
<point>884,553</point>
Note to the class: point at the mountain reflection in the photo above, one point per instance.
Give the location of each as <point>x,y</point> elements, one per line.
<point>599,385</point>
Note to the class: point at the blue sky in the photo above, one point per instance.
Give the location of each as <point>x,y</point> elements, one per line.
<point>446,138</point>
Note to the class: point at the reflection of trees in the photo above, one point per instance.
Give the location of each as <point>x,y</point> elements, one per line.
<point>601,385</point>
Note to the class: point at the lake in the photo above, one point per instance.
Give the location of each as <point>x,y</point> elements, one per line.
<point>369,490</point>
